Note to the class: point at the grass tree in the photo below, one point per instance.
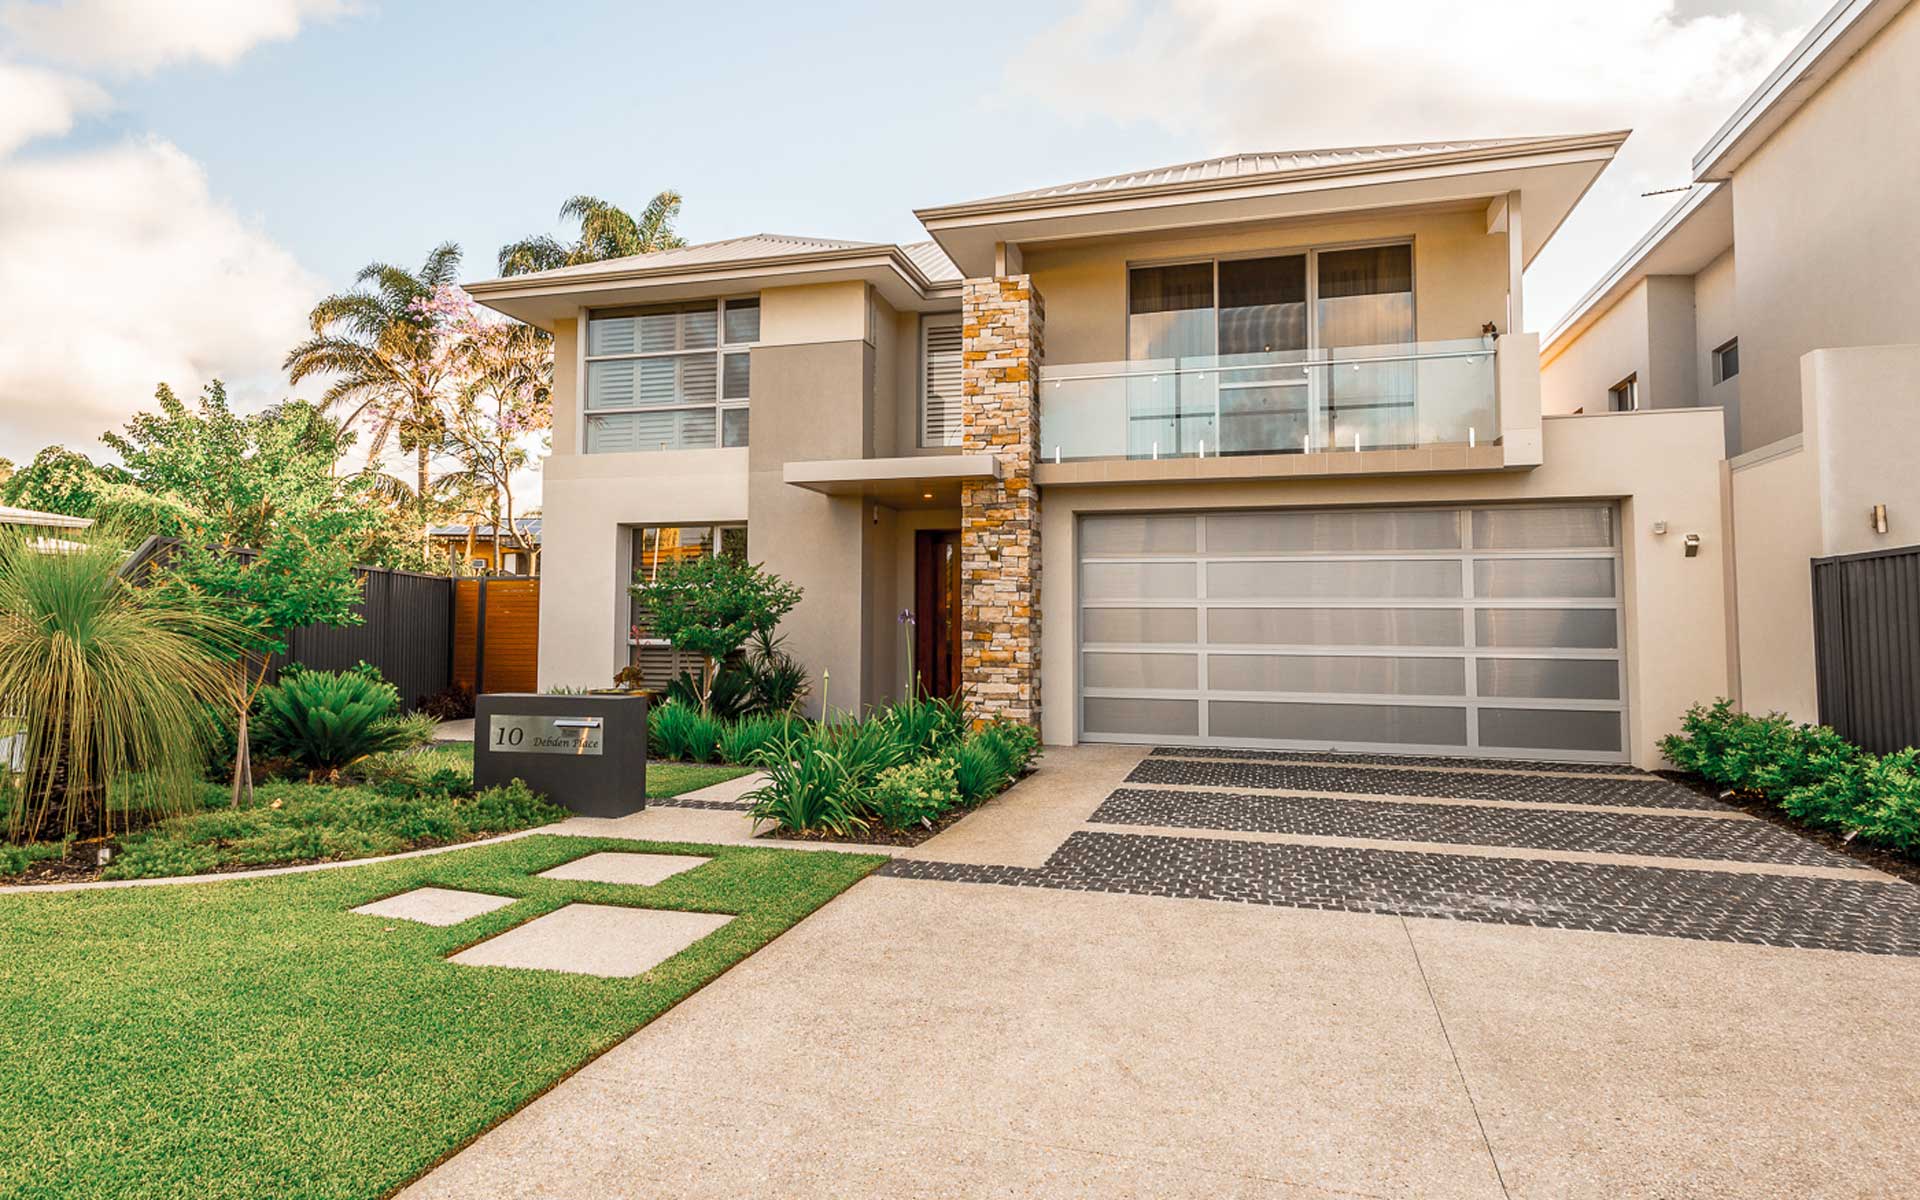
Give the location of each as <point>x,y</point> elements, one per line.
<point>711,605</point>
<point>388,352</point>
<point>606,231</point>
<point>105,685</point>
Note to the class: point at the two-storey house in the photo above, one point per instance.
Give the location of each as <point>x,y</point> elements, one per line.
<point>1242,452</point>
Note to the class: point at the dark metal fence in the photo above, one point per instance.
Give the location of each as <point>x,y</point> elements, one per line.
<point>407,633</point>
<point>1866,635</point>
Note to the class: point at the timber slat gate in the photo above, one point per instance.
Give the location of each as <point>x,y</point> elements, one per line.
<point>1866,634</point>
<point>496,634</point>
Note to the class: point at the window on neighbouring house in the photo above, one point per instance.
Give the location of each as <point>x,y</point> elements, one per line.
<point>1625,395</point>
<point>669,376</point>
<point>1726,361</point>
<point>940,407</point>
<point>653,547</point>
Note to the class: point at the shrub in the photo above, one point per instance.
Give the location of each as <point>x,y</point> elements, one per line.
<point>452,703</point>
<point>109,683</point>
<point>979,767</point>
<point>742,740</point>
<point>809,785</point>
<point>732,692</point>
<point>779,681</point>
<point>1017,744</point>
<point>14,860</point>
<point>917,792</point>
<point>328,720</point>
<point>925,724</point>
<point>679,730</point>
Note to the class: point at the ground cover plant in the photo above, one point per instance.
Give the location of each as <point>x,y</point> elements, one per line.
<point>252,1037</point>
<point>1810,772</point>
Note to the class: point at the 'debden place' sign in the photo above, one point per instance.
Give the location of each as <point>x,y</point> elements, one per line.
<point>516,734</point>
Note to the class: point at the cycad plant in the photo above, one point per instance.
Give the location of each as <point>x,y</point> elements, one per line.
<point>108,684</point>
<point>327,721</point>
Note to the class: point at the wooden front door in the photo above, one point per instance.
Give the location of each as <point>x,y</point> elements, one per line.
<point>936,611</point>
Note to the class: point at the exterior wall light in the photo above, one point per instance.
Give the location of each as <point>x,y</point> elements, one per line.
<point>1877,518</point>
<point>1693,545</point>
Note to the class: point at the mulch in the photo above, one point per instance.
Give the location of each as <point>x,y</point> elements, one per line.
<point>1894,862</point>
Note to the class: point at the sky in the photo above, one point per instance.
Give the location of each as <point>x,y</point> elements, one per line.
<point>179,182</point>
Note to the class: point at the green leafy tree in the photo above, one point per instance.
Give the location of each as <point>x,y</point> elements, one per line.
<point>59,480</point>
<point>387,352</point>
<point>711,605</point>
<point>503,404</point>
<point>606,231</point>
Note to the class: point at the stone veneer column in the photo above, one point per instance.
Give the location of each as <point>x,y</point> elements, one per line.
<point>1001,322</point>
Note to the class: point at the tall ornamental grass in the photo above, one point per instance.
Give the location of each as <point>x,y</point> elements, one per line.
<point>107,684</point>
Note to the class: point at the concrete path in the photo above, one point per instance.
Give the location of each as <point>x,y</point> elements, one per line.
<point>1428,997</point>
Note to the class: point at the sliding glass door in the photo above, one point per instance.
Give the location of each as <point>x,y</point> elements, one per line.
<point>1245,355</point>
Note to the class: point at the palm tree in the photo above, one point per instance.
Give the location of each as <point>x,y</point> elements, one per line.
<point>606,231</point>
<point>389,364</point>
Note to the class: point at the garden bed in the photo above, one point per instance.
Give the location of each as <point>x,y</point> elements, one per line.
<point>1894,862</point>
<point>877,834</point>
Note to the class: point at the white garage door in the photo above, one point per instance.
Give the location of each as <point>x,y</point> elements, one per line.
<point>1485,631</point>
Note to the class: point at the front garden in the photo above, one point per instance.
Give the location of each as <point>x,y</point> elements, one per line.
<point>254,1037</point>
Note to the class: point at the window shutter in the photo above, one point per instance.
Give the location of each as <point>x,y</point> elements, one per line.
<point>940,407</point>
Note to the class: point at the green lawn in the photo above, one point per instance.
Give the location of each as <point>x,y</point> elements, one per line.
<point>253,1038</point>
<point>672,778</point>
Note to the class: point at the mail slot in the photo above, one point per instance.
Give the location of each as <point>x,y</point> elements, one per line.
<point>588,753</point>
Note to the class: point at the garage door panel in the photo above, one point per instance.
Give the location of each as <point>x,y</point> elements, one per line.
<point>1157,672</point>
<point>1550,729</point>
<point>1140,626</point>
<point>1347,674</point>
<point>1486,629</point>
<point>1544,578</point>
<point>1365,579</point>
<point>1404,724</point>
<point>1140,717</point>
<point>1526,628</point>
<point>1359,532</point>
<point>1550,678</point>
<point>1336,626</point>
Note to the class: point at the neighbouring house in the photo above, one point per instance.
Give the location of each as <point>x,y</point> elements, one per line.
<point>1780,291</point>
<point>1246,451</point>
<point>475,550</point>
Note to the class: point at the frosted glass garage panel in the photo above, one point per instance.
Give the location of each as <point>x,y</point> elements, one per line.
<point>1550,678</point>
<point>1349,674</point>
<point>1361,532</point>
<point>1544,578</point>
<point>1583,528</point>
<point>1389,579</point>
<point>1133,626</point>
<point>1139,535</point>
<point>1408,724</point>
<point>1152,718</point>
<point>1566,628</point>
<point>1159,672</point>
<point>1137,581</point>
<point>1550,729</point>
<point>1336,626</point>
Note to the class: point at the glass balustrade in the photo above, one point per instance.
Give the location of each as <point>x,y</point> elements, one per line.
<point>1352,398</point>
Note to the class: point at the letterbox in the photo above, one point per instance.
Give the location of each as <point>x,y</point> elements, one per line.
<point>586,752</point>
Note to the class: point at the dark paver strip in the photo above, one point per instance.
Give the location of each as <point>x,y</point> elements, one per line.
<point>1754,909</point>
<point>1650,792</point>
<point>682,802</point>
<point>1397,760</point>
<point>1660,835</point>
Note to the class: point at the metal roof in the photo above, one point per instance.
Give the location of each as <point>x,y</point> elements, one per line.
<point>933,262</point>
<point>752,247</point>
<point>530,525</point>
<point>1232,167</point>
<point>42,520</point>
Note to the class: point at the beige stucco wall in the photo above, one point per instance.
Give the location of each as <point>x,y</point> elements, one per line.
<point>1716,319</point>
<point>566,386</point>
<point>590,501</point>
<point>1776,524</point>
<point>1459,274</point>
<point>1661,466</point>
<point>1672,378</point>
<point>1823,216</point>
<point>1612,348</point>
<point>1862,418</point>
<point>815,312</point>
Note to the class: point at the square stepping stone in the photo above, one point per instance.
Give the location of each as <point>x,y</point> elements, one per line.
<point>618,866</point>
<point>594,939</point>
<point>435,906</point>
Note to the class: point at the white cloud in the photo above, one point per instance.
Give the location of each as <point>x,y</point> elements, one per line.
<point>120,269</point>
<point>142,35</point>
<point>1238,75</point>
<point>36,103</point>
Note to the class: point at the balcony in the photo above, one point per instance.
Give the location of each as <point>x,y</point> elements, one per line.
<point>1322,402</point>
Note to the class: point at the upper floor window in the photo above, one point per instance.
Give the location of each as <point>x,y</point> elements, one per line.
<point>1726,361</point>
<point>1625,395</point>
<point>940,406</point>
<point>670,376</point>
